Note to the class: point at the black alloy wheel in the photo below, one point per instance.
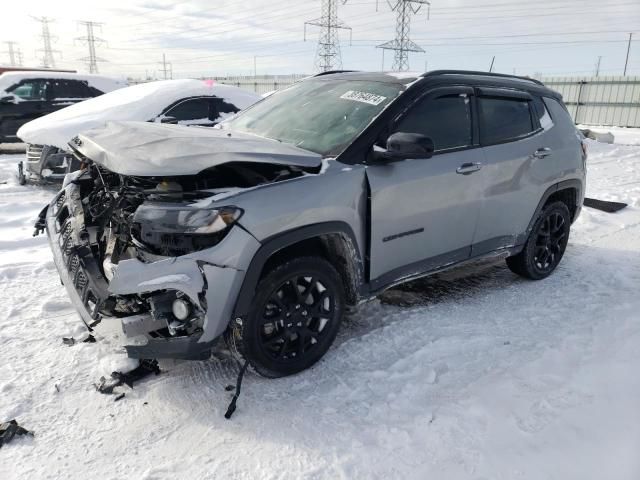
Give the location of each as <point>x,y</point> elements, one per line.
<point>550,242</point>
<point>546,244</point>
<point>295,318</point>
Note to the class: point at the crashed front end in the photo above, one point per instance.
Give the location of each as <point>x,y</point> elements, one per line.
<point>151,252</point>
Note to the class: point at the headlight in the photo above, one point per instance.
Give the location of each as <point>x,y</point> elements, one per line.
<point>177,229</point>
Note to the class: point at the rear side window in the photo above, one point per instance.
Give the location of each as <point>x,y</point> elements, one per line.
<point>446,120</point>
<point>194,109</point>
<point>70,89</point>
<point>503,119</point>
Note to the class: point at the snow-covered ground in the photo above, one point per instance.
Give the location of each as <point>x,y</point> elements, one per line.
<point>479,375</point>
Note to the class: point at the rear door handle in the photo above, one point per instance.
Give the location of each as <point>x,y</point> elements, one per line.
<point>468,168</point>
<point>542,152</point>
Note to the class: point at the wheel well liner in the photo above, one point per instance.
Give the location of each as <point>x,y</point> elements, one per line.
<point>334,241</point>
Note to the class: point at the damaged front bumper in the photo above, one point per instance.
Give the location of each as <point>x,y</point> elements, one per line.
<point>209,280</point>
<point>44,163</point>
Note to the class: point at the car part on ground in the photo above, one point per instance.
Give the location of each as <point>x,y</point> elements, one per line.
<point>310,202</point>
<point>8,430</point>
<point>144,369</point>
<point>605,206</point>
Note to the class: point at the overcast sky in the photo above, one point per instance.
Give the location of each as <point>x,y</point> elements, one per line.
<point>218,37</point>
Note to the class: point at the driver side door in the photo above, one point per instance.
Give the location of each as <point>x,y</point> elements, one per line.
<point>424,210</point>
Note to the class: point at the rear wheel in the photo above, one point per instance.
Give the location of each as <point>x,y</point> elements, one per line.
<point>295,317</point>
<point>546,244</point>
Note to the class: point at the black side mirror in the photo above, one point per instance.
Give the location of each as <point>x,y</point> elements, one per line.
<point>403,146</point>
<point>7,99</point>
<point>172,120</point>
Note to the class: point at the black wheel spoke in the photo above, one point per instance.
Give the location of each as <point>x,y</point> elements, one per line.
<point>293,315</point>
<point>275,339</point>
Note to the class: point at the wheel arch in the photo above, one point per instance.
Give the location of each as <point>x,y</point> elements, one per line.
<point>334,241</point>
<point>568,191</point>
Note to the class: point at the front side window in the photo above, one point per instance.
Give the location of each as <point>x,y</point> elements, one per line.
<point>193,109</point>
<point>30,90</point>
<point>446,120</point>
<point>319,115</point>
<point>503,119</point>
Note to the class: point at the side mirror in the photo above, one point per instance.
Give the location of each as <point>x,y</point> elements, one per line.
<point>7,99</point>
<point>403,146</point>
<point>172,120</point>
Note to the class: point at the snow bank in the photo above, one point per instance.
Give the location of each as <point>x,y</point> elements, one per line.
<point>102,83</point>
<point>483,376</point>
<point>137,103</point>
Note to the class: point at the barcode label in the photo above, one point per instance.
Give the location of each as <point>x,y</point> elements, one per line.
<point>364,97</point>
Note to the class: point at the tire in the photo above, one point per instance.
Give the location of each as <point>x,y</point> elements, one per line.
<point>546,244</point>
<point>294,318</point>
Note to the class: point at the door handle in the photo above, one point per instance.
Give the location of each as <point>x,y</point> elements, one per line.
<point>542,152</point>
<point>468,168</point>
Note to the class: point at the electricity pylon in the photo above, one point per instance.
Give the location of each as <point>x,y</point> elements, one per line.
<point>328,56</point>
<point>402,44</point>
<point>91,40</point>
<point>47,51</point>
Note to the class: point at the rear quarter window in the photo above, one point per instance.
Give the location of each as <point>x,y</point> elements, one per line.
<point>503,119</point>
<point>542,112</point>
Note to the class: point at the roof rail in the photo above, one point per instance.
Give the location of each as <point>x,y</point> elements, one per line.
<point>485,74</point>
<point>331,72</point>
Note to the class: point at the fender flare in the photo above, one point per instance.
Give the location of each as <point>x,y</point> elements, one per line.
<point>564,185</point>
<point>280,241</point>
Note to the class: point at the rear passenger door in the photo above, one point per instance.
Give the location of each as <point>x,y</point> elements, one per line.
<point>515,146</point>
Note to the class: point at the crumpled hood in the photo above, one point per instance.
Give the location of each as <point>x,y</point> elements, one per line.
<point>152,149</point>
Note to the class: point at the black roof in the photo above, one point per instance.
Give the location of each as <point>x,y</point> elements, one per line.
<point>448,77</point>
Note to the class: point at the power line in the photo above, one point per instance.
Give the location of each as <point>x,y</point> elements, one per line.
<point>47,51</point>
<point>328,56</point>
<point>90,40</point>
<point>14,53</point>
<point>402,44</point>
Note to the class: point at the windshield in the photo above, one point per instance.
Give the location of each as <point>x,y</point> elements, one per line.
<point>323,116</point>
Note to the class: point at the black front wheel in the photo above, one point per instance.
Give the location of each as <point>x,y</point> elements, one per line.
<point>295,317</point>
<point>546,243</point>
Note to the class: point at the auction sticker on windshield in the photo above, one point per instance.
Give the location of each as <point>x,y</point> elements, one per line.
<point>364,97</point>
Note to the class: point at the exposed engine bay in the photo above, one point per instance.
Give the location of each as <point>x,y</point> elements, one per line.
<point>103,219</point>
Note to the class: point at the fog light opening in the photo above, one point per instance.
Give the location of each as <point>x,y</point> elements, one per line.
<point>181,309</point>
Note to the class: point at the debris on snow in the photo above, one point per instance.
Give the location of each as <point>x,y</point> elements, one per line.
<point>9,430</point>
<point>146,368</point>
<point>609,207</point>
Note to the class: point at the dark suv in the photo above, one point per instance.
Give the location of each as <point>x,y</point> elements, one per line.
<point>25,96</point>
<point>308,203</point>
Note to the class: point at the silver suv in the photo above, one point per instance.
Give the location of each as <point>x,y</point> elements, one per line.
<point>267,230</point>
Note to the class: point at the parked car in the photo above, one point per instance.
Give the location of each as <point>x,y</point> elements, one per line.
<point>26,95</point>
<point>185,102</point>
<point>268,229</point>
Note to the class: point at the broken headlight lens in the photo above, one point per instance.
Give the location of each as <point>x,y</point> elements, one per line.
<point>177,229</point>
<point>181,219</point>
